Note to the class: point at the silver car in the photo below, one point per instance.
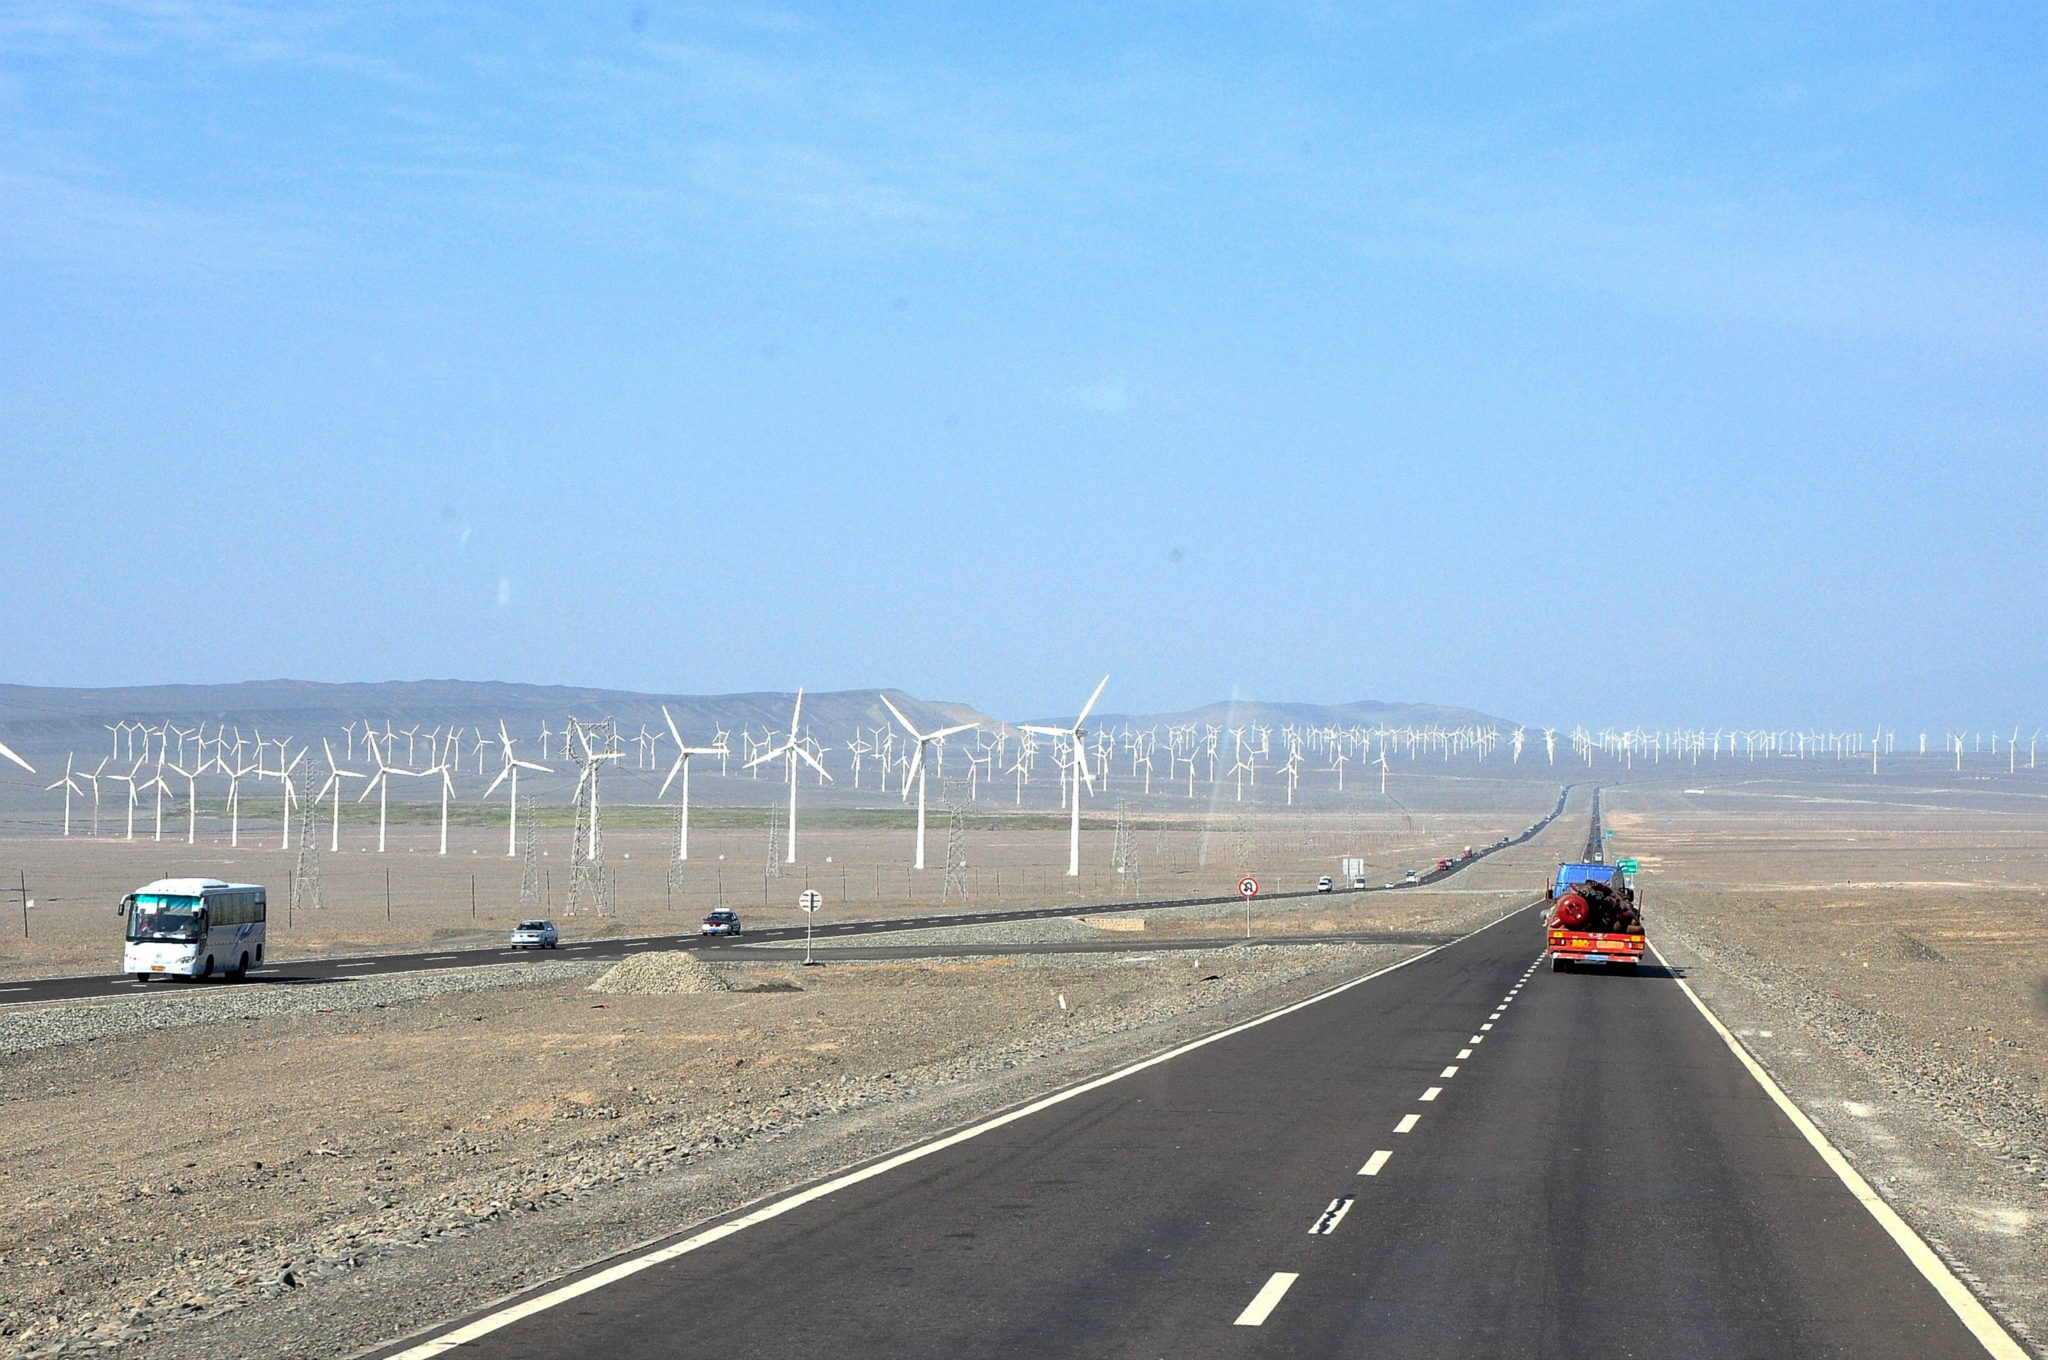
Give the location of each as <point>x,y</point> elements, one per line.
<point>536,935</point>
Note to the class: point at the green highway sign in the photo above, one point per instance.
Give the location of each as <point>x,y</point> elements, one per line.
<point>1627,866</point>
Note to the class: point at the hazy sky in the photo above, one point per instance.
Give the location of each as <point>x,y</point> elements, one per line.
<point>1605,362</point>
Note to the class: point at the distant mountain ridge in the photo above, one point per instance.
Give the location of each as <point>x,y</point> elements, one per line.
<point>1360,713</point>
<point>45,722</point>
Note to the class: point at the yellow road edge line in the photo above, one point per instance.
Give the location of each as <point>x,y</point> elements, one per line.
<point>1966,1305</point>
<point>540,1303</point>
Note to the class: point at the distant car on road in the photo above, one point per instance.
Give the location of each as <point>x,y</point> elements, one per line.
<point>1411,877</point>
<point>724,921</point>
<point>1358,883</point>
<point>1324,884</point>
<point>536,935</point>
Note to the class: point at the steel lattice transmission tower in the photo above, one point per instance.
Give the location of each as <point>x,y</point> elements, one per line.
<point>774,869</point>
<point>1123,850</point>
<point>591,745</point>
<point>956,847</point>
<point>306,887</point>
<point>529,869</point>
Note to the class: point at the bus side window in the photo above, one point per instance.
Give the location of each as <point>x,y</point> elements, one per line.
<point>260,910</point>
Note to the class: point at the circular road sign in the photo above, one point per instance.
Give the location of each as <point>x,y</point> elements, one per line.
<point>811,900</point>
<point>1250,887</point>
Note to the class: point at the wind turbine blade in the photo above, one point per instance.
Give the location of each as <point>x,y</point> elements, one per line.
<point>16,759</point>
<point>767,756</point>
<point>671,727</point>
<point>796,716</point>
<point>1091,701</point>
<point>1046,731</point>
<point>529,765</point>
<point>951,731</point>
<point>673,771</point>
<point>899,717</point>
<point>910,775</point>
<point>499,780</point>
<point>812,760</point>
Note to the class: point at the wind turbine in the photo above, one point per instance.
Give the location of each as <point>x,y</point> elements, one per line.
<point>291,794</point>
<point>793,750</point>
<point>70,786</point>
<point>513,765</point>
<point>1079,737</point>
<point>156,782</point>
<point>94,780</point>
<point>917,764</point>
<point>191,778</point>
<point>335,774</point>
<point>133,796</point>
<point>682,767</point>
<point>447,789</point>
<point>380,781</point>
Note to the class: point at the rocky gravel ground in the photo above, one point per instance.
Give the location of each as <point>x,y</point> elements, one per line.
<point>1911,1029</point>
<point>322,1176</point>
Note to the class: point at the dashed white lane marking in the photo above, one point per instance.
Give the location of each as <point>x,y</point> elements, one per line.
<point>576,946</point>
<point>1483,1029</point>
<point>439,958</point>
<point>13,989</point>
<point>1332,1216</point>
<point>1375,1162</point>
<point>266,970</point>
<point>555,1297</point>
<point>1267,1299</point>
<point>1464,1053</point>
<point>1494,1016</point>
<point>1476,1039</point>
<point>1448,1072</point>
<point>1408,1123</point>
<point>1431,1094</point>
<point>367,963</point>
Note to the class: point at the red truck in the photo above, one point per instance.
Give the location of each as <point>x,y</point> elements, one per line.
<point>1593,919</point>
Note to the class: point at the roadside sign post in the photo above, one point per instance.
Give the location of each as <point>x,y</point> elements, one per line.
<point>1250,889</point>
<point>810,901</point>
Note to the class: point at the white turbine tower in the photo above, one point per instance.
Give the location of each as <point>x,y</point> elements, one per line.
<point>380,781</point>
<point>335,774</point>
<point>447,791</point>
<point>1078,736</point>
<point>513,765</point>
<point>917,764</point>
<point>191,778</point>
<point>94,780</point>
<point>291,793</point>
<point>792,750</point>
<point>682,767</point>
<point>134,795</point>
<point>69,784</point>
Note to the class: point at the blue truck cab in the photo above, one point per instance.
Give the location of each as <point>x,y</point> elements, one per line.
<point>1571,875</point>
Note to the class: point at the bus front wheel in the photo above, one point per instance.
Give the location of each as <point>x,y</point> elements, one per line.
<point>207,971</point>
<point>240,970</point>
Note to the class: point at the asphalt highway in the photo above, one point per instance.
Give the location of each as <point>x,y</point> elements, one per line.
<point>305,971</point>
<point>1468,1155</point>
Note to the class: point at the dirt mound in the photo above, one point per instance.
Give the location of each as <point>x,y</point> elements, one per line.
<point>661,974</point>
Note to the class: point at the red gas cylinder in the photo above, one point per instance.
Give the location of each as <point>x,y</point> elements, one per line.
<point>1571,911</point>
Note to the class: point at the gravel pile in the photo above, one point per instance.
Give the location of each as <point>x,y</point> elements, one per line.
<point>662,974</point>
<point>53,1026</point>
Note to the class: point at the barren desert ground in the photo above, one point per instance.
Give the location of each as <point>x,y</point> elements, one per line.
<point>234,1171</point>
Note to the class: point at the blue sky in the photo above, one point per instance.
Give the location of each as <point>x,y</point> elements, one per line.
<point>1604,362</point>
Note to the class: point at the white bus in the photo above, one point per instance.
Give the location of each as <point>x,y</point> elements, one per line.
<point>193,928</point>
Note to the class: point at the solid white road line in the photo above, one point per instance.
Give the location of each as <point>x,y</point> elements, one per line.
<point>1374,1163</point>
<point>1431,1094</point>
<point>1331,1217</point>
<point>1448,1073</point>
<point>1953,1291</point>
<point>633,1265</point>
<point>1267,1299</point>
<point>1408,1123</point>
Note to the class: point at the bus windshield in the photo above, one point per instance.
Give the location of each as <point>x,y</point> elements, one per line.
<point>158,917</point>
